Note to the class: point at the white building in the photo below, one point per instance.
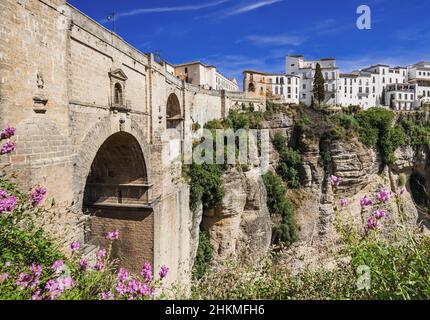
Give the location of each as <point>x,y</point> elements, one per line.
<point>419,74</point>
<point>366,87</point>
<point>402,96</point>
<point>205,76</point>
<point>305,69</point>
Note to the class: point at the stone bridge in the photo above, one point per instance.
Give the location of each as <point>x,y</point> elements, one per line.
<point>91,114</point>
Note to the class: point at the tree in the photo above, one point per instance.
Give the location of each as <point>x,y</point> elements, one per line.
<point>383,102</point>
<point>318,86</point>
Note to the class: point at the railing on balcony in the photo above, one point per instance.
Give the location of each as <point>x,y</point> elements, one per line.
<point>130,195</point>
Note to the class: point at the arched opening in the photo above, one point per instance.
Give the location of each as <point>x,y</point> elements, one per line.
<point>251,87</point>
<point>117,195</point>
<point>118,94</point>
<point>173,113</point>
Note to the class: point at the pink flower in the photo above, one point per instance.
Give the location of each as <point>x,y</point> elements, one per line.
<point>58,286</point>
<point>83,264</point>
<point>7,264</point>
<point>7,133</point>
<point>379,214</point>
<point>101,254</point>
<point>3,277</point>
<point>8,147</point>
<point>112,235</point>
<point>365,202</point>
<point>36,270</point>
<point>37,196</point>
<point>57,266</point>
<point>147,272</point>
<point>75,246</point>
<point>163,272</point>
<point>3,194</point>
<point>122,275</point>
<point>36,296</point>
<point>383,196</point>
<point>99,266</point>
<point>373,223</point>
<point>344,203</point>
<point>7,204</point>
<point>23,280</point>
<point>335,181</point>
<point>107,295</point>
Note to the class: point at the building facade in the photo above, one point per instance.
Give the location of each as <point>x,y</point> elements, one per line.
<point>284,88</point>
<point>203,75</point>
<point>373,86</point>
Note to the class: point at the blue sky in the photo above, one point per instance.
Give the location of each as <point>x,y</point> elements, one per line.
<point>257,34</point>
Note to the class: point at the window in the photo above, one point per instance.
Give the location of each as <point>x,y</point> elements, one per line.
<point>118,94</point>
<point>186,70</point>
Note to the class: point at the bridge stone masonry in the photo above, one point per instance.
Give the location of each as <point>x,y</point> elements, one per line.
<point>91,114</point>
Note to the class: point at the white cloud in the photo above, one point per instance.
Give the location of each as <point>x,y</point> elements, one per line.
<point>251,7</point>
<point>280,40</point>
<point>168,9</point>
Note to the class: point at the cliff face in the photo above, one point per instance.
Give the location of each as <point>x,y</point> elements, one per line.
<point>240,226</point>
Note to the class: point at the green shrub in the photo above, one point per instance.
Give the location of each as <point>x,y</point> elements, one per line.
<point>278,204</point>
<point>289,160</point>
<point>205,185</point>
<point>203,257</point>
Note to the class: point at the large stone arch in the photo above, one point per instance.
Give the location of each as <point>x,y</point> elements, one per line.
<point>92,142</point>
<point>117,194</point>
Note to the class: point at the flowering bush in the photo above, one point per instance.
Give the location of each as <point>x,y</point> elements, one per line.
<point>33,267</point>
<point>9,146</point>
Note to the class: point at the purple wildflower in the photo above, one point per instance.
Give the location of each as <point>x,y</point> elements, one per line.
<point>99,266</point>
<point>3,277</point>
<point>122,275</point>
<point>58,286</point>
<point>112,235</point>
<point>23,280</point>
<point>365,202</point>
<point>383,196</point>
<point>8,147</point>
<point>163,272</point>
<point>7,204</point>
<point>107,295</point>
<point>344,203</point>
<point>83,264</point>
<point>7,133</point>
<point>37,196</point>
<point>57,266</point>
<point>373,223</point>
<point>379,214</point>
<point>36,295</point>
<point>335,181</point>
<point>75,246</point>
<point>36,269</point>
<point>147,272</point>
<point>101,254</point>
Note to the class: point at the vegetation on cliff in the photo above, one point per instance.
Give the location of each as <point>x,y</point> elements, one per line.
<point>371,263</point>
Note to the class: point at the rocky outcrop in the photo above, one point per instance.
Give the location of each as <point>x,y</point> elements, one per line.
<point>354,164</point>
<point>240,226</point>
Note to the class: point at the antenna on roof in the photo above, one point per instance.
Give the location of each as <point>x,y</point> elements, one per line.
<point>110,18</point>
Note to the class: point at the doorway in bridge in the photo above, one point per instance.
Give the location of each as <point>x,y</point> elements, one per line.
<point>117,195</point>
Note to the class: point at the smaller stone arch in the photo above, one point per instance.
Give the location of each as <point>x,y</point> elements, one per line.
<point>174,116</point>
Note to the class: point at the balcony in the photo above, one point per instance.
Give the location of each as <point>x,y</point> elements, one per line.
<point>121,107</point>
<point>131,195</point>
